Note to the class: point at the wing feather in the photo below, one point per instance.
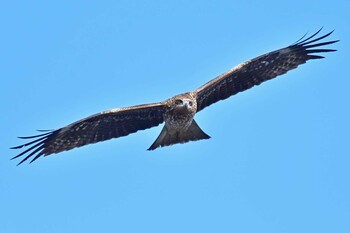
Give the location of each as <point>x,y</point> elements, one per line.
<point>261,69</point>
<point>96,128</point>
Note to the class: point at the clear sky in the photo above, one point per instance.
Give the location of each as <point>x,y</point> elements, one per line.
<point>278,160</point>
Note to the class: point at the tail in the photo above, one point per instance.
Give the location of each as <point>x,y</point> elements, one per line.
<point>167,137</point>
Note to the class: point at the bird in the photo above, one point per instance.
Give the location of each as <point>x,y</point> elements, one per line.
<point>177,113</point>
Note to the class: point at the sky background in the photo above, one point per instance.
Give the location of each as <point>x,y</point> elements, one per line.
<point>278,160</point>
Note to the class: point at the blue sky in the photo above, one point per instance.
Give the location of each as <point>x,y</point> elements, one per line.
<point>278,159</point>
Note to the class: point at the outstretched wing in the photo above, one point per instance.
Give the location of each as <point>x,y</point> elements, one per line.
<point>260,69</point>
<point>96,128</point>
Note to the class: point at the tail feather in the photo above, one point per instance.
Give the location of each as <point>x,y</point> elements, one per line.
<point>168,137</point>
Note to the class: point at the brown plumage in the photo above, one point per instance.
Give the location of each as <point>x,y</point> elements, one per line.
<point>178,111</point>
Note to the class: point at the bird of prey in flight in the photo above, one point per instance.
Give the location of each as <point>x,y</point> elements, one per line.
<point>177,112</point>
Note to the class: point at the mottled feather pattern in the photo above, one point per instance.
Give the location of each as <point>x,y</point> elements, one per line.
<point>99,127</point>
<point>260,69</point>
<point>178,111</point>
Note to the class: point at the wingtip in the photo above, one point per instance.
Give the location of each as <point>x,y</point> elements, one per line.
<point>309,40</point>
<point>22,161</point>
<point>36,157</point>
<point>316,57</point>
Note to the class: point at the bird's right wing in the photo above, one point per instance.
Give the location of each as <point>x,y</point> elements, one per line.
<point>261,69</point>
<point>103,126</point>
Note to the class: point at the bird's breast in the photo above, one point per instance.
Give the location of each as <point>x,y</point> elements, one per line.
<point>178,121</point>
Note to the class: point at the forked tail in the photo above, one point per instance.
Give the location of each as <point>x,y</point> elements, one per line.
<point>169,137</point>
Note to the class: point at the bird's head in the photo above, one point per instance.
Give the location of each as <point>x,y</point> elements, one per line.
<point>184,105</point>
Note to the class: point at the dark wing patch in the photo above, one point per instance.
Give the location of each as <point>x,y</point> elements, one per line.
<point>260,69</point>
<point>96,128</point>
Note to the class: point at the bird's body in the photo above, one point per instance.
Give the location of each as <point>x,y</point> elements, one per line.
<point>180,127</point>
<point>177,112</point>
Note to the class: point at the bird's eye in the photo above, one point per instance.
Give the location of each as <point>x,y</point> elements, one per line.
<point>178,102</point>
<point>190,103</point>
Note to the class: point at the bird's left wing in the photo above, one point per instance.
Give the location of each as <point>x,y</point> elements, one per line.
<point>260,69</point>
<point>103,126</point>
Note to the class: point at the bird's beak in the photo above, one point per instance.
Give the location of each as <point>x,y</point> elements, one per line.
<point>186,104</point>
